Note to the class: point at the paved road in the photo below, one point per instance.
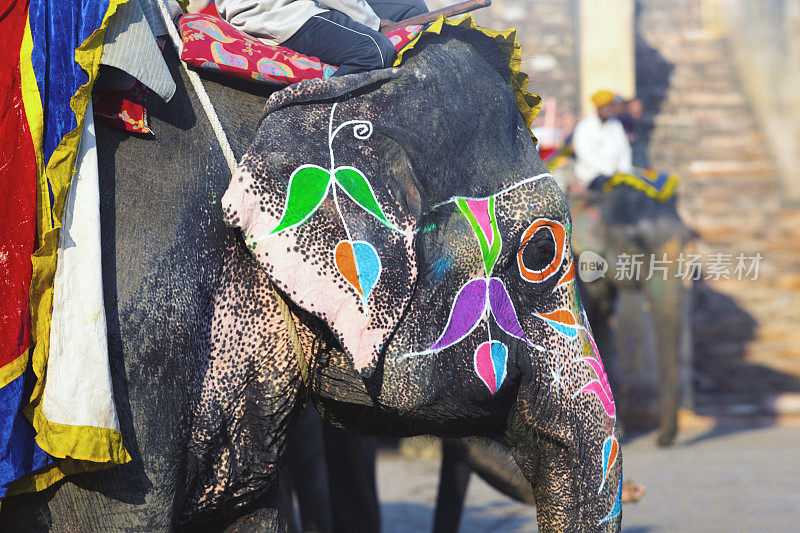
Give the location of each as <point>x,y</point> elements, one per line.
<point>720,480</point>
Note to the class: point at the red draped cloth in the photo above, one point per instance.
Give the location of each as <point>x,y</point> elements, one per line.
<point>17,192</point>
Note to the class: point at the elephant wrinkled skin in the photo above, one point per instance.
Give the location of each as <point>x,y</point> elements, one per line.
<point>470,324</point>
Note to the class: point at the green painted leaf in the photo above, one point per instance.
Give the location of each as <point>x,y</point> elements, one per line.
<point>356,186</point>
<point>488,252</point>
<point>308,186</point>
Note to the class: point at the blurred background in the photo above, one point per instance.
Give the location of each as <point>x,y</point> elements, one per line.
<point>719,81</point>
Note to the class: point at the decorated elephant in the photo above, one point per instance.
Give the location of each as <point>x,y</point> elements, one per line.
<point>390,248</point>
<point>634,226</point>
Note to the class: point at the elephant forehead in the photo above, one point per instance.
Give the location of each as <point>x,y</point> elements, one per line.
<point>539,198</point>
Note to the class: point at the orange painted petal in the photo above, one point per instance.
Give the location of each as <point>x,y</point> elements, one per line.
<point>560,315</point>
<point>612,457</point>
<point>346,264</point>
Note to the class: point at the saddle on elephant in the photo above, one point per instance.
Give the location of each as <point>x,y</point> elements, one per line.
<point>212,44</point>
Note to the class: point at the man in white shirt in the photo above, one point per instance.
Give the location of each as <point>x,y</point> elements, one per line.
<point>601,146</point>
<point>344,33</point>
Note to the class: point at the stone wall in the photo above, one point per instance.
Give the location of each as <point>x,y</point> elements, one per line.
<point>548,32</point>
<point>764,36</point>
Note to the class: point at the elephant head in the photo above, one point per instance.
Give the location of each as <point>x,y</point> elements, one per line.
<point>408,211</point>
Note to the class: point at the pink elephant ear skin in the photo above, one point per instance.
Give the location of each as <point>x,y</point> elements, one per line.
<point>342,250</point>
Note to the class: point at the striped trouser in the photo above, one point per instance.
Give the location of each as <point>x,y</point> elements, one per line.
<point>338,40</point>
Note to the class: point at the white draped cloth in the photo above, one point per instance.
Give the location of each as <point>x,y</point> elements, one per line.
<point>78,388</point>
<point>601,149</point>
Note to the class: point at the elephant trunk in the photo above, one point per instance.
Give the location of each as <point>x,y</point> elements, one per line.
<point>565,489</point>
<point>570,456</point>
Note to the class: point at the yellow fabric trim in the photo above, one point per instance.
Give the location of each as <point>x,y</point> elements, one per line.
<point>87,443</point>
<point>52,473</point>
<point>529,104</point>
<point>39,480</point>
<point>31,99</point>
<point>14,369</point>
<point>60,169</point>
<point>637,183</point>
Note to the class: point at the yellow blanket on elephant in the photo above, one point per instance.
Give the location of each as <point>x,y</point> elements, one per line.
<point>657,185</point>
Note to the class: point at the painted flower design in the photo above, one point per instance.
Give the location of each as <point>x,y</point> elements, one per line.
<point>610,453</point>
<point>309,185</point>
<point>482,298</point>
<point>481,217</point>
<point>478,299</point>
<point>562,321</point>
<point>600,386</point>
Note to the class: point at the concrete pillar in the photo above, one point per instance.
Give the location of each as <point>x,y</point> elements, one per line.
<point>606,44</point>
<point>791,100</point>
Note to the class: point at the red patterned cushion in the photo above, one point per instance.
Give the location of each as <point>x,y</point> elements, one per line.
<point>402,36</point>
<point>211,43</point>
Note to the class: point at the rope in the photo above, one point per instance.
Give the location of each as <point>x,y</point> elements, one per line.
<point>222,138</point>
<point>302,362</point>
<point>199,89</point>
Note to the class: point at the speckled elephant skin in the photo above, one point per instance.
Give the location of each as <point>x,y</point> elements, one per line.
<point>432,289</point>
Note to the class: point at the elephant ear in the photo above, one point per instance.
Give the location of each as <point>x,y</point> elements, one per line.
<point>329,208</point>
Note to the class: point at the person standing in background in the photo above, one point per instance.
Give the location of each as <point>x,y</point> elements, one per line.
<point>630,118</point>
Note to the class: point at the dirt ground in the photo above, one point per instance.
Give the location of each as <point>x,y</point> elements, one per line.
<point>725,479</point>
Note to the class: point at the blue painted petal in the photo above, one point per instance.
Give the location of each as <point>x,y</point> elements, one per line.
<point>499,360</point>
<point>368,266</point>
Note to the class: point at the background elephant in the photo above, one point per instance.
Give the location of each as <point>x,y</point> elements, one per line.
<point>205,370</point>
<point>625,222</point>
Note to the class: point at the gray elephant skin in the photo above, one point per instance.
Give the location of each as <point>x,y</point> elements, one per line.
<point>473,326</point>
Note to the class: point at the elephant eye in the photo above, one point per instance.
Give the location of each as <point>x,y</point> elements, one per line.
<point>541,250</point>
